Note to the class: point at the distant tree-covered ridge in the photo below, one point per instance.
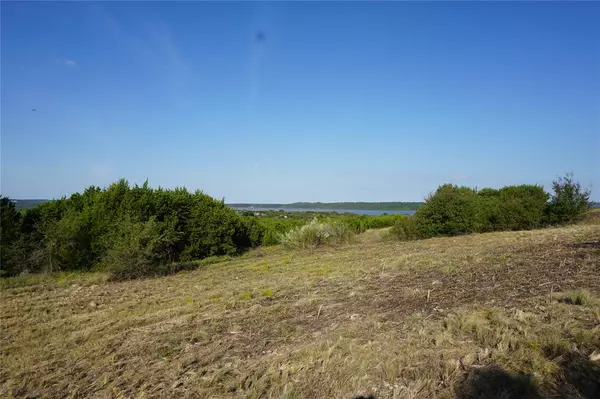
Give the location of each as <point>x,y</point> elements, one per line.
<point>21,204</point>
<point>372,206</point>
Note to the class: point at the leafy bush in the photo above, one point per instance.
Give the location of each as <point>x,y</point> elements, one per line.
<point>10,234</point>
<point>488,210</point>
<point>273,228</point>
<point>569,203</point>
<point>316,234</point>
<point>272,224</point>
<point>78,233</point>
<point>522,207</point>
<point>67,243</point>
<point>140,249</point>
<point>451,210</point>
<point>362,223</point>
<point>405,229</point>
<point>216,230</point>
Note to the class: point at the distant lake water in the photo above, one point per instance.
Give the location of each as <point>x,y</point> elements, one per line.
<point>356,211</point>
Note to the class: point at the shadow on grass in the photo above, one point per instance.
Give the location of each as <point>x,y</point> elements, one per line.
<point>580,374</point>
<point>588,244</point>
<point>578,377</point>
<point>493,382</point>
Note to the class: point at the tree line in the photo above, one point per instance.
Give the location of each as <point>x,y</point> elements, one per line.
<point>455,210</point>
<point>140,231</point>
<point>354,206</point>
<point>127,230</point>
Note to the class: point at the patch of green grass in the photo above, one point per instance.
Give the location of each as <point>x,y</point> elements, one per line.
<point>449,269</point>
<point>579,297</point>
<point>259,267</point>
<point>60,279</point>
<point>211,260</point>
<point>188,300</point>
<point>267,293</point>
<point>319,270</point>
<point>245,296</point>
<point>23,281</point>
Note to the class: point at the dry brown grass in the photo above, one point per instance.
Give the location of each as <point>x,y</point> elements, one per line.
<point>433,318</point>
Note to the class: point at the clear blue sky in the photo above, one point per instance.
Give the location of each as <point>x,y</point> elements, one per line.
<point>369,101</point>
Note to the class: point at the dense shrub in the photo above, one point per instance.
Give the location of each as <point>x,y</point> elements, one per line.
<point>255,232</point>
<point>361,223</point>
<point>140,231</point>
<point>10,234</point>
<point>273,228</point>
<point>451,210</point>
<point>569,203</point>
<point>274,225</point>
<point>405,229</point>
<point>522,207</point>
<point>139,249</point>
<point>216,230</point>
<point>109,226</point>
<point>488,210</point>
<point>315,234</point>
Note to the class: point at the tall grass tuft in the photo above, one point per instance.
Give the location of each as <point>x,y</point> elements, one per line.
<point>315,234</point>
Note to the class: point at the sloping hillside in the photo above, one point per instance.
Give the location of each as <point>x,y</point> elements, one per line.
<point>434,318</point>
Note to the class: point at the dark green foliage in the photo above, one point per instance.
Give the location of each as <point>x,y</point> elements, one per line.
<point>511,208</point>
<point>255,231</point>
<point>488,210</point>
<point>66,242</point>
<point>453,210</point>
<point>215,230</point>
<point>139,231</point>
<point>147,228</point>
<point>522,207</point>
<point>406,229</point>
<point>569,203</point>
<point>450,211</point>
<point>361,223</point>
<point>139,249</point>
<point>272,224</point>
<point>10,235</point>
<point>272,228</point>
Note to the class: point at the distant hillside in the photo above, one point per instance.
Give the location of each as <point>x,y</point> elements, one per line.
<point>374,206</point>
<point>28,203</point>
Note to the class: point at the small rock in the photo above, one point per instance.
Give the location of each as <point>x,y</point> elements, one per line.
<point>93,304</point>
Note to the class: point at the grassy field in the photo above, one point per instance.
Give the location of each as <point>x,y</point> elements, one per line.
<point>515,313</point>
